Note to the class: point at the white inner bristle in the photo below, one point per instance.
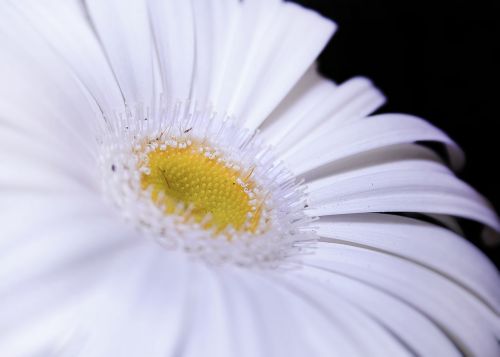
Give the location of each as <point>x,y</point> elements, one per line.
<point>128,136</point>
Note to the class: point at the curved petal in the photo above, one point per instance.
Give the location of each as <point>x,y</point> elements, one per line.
<point>91,224</point>
<point>252,41</point>
<point>40,96</point>
<point>409,190</point>
<point>436,248</point>
<point>365,335</point>
<point>124,31</point>
<point>273,62</point>
<point>421,337</point>
<point>58,23</point>
<point>394,157</point>
<point>464,318</point>
<point>365,135</point>
<point>174,40</point>
<point>51,266</point>
<point>190,310</point>
<point>332,107</point>
<point>309,91</point>
<point>26,161</point>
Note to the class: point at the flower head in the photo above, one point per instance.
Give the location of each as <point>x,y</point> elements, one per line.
<point>177,179</point>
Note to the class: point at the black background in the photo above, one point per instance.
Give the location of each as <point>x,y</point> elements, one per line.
<point>436,61</point>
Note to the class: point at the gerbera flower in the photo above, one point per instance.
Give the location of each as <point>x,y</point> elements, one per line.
<point>177,180</point>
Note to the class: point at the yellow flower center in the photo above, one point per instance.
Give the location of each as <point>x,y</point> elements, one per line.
<point>214,193</point>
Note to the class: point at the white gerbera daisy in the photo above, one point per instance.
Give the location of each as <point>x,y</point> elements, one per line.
<point>163,167</point>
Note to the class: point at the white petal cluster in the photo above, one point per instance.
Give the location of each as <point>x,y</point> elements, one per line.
<point>77,279</point>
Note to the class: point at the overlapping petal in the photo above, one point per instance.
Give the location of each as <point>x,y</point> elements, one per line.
<point>75,280</point>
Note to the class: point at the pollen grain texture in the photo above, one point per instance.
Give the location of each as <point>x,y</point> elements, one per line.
<point>195,179</point>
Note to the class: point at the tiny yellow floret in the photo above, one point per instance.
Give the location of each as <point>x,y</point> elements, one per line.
<point>195,177</point>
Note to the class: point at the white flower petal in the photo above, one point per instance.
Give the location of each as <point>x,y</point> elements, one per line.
<point>124,31</point>
<point>40,96</point>
<point>110,323</point>
<point>59,23</point>
<point>471,325</point>
<point>418,333</point>
<point>249,42</point>
<point>365,135</point>
<point>244,33</point>
<point>192,310</point>
<point>174,38</point>
<point>395,157</point>
<point>172,301</point>
<point>364,335</point>
<point>308,92</point>
<point>318,106</point>
<point>39,337</point>
<point>229,39</point>
<point>212,18</point>
<point>408,190</point>
<point>44,276</point>
<point>44,157</point>
<point>272,52</point>
<point>434,247</point>
<point>94,230</point>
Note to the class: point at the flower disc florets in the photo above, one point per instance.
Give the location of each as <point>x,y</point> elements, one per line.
<point>195,180</point>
